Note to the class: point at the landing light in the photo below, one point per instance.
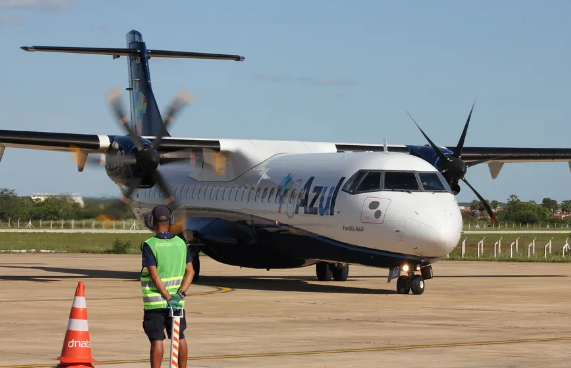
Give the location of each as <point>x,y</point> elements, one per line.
<point>405,268</point>
<point>418,268</point>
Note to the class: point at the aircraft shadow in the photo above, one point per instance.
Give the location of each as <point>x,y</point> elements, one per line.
<point>270,283</point>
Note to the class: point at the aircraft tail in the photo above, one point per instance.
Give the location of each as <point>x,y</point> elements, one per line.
<point>145,115</point>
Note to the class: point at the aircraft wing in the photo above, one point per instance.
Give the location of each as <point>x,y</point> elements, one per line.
<point>495,157</point>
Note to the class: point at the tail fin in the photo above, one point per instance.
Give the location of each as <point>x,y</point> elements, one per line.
<point>145,115</point>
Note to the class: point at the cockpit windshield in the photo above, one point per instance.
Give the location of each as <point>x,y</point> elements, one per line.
<point>378,180</point>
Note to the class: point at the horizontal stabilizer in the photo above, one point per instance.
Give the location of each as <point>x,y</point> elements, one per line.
<point>192,55</point>
<point>83,50</point>
<point>116,52</point>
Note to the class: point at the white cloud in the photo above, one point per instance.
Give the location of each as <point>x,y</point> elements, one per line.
<point>9,20</point>
<point>43,5</point>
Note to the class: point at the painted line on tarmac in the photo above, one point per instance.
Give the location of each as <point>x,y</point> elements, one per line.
<point>316,352</point>
<point>219,290</point>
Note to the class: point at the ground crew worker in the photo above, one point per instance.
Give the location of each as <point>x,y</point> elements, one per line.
<point>166,275</point>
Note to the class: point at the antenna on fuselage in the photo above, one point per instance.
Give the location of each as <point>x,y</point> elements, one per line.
<point>386,149</point>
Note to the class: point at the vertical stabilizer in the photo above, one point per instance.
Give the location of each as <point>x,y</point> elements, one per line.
<point>145,115</point>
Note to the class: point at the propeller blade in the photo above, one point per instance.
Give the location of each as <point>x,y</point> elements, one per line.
<point>114,100</point>
<point>170,199</point>
<point>182,99</point>
<point>133,185</point>
<point>484,202</point>
<point>435,147</point>
<point>460,145</point>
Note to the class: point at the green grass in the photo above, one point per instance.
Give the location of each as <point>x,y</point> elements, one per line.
<point>129,244</point>
<point>71,243</point>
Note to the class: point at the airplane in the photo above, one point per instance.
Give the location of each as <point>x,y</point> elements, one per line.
<point>271,204</point>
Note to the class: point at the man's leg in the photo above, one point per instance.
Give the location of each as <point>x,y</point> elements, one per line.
<point>182,353</point>
<point>156,353</point>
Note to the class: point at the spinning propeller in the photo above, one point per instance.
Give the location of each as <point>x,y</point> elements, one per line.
<point>453,168</point>
<point>145,158</point>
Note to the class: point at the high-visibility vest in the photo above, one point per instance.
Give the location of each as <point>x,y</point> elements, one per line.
<point>170,255</point>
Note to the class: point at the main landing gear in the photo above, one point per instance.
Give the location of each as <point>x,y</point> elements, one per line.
<point>414,283</point>
<point>336,271</point>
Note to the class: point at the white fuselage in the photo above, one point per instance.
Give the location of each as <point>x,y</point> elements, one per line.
<point>305,192</point>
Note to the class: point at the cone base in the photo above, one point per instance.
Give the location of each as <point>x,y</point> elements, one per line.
<point>75,365</point>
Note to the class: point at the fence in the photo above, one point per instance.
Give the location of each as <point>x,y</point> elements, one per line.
<point>131,224</point>
<point>529,252</point>
<point>487,225</point>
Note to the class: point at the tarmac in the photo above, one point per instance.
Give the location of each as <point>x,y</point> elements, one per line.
<point>472,315</point>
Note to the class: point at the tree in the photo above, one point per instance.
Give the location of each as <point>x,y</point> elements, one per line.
<point>475,205</point>
<point>513,198</point>
<point>566,206</point>
<point>550,204</point>
<point>494,204</point>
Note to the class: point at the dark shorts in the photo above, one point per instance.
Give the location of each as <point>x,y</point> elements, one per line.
<point>155,321</point>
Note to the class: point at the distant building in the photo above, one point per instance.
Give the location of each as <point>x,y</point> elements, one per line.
<point>76,198</point>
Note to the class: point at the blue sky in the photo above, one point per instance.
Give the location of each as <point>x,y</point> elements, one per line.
<point>314,70</point>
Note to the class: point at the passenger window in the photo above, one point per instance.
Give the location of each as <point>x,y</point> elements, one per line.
<point>400,180</point>
<point>430,181</point>
<point>271,195</point>
<point>353,182</point>
<point>264,194</point>
<point>258,194</point>
<point>189,190</point>
<point>277,195</point>
<point>239,194</point>
<point>250,195</point>
<point>208,192</point>
<point>219,193</point>
<point>231,193</point>
<point>194,190</point>
<point>371,182</point>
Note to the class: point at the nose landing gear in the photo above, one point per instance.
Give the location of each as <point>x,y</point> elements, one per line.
<point>414,283</point>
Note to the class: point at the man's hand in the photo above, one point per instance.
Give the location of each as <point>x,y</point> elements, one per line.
<point>174,301</point>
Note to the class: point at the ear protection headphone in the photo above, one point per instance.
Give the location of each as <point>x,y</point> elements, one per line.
<point>150,221</point>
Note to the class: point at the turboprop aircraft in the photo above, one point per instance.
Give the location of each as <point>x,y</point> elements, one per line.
<point>281,204</point>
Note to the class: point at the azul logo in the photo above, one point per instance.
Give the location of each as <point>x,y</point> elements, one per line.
<point>317,200</point>
<point>79,344</point>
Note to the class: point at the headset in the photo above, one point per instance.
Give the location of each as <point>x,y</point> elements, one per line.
<point>150,221</point>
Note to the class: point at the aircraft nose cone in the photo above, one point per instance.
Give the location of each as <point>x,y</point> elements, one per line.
<point>432,233</point>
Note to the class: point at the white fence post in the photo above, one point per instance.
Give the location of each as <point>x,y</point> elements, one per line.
<point>40,223</point>
<point>72,222</point>
<point>516,245</point>
<point>566,246</point>
<point>512,250</point>
<point>123,224</point>
<point>9,219</point>
<point>51,224</point>
<point>18,223</point>
<point>500,244</point>
<point>529,250</point>
<point>93,224</point>
<point>495,254</point>
<point>534,245</point>
<point>464,247</point>
<point>62,223</point>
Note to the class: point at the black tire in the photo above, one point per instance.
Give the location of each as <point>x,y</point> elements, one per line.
<point>341,274</point>
<point>323,271</point>
<point>196,266</point>
<point>417,285</point>
<point>403,285</point>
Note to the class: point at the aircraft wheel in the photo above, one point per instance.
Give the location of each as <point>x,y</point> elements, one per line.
<point>403,285</point>
<point>417,285</point>
<point>196,266</point>
<point>341,273</point>
<point>323,271</point>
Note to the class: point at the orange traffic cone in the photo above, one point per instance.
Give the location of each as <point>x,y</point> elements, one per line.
<point>76,350</point>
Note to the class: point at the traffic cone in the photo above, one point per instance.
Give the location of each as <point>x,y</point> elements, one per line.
<point>76,350</point>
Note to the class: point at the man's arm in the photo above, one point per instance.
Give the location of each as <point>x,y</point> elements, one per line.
<point>188,273</point>
<point>188,276</point>
<point>158,282</point>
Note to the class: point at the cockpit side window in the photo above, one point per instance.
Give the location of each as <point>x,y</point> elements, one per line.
<point>431,182</point>
<point>371,182</point>
<point>400,180</point>
<point>353,182</point>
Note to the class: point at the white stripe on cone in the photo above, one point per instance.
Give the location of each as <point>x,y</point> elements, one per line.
<point>77,325</point>
<point>79,302</point>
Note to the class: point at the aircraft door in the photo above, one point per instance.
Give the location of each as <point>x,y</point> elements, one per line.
<point>291,200</point>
